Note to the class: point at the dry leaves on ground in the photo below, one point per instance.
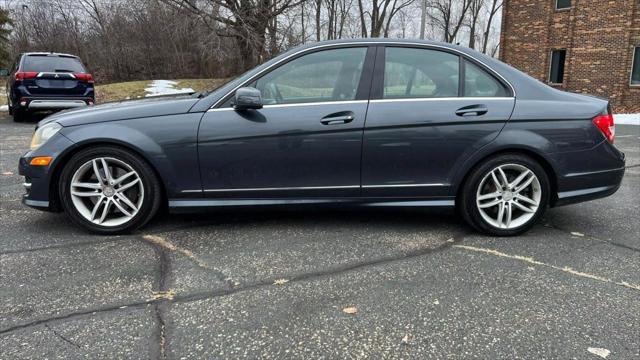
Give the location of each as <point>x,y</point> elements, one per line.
<point>350,310</point>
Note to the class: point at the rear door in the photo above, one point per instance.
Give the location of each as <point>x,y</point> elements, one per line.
<point>52,74</point>
<point>430,109</point>
<point>307,139</point>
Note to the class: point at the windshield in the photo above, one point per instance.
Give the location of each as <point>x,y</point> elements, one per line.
<point>40,63</point>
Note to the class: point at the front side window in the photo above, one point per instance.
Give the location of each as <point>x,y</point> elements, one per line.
<point>478,83</point>
<point>329,75</point>
<point>556,74</point>
<point>563,4</point>
<point>635,71</point>
<point>420,73</point>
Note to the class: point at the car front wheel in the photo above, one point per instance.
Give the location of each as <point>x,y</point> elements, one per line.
<point>506,195</point>
<point>109,190</point>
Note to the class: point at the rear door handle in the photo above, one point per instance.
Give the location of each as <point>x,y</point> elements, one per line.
<point>472,110</point>
<point>336,119</point>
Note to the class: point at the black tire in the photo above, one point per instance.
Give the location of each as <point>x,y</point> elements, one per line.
<point>152,189</point>
<point>469,210</point>
<point>19,115</point>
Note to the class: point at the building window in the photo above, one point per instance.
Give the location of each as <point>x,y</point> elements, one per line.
<point>556,75</point>
<point>563,4</point>
<point>635,69</point>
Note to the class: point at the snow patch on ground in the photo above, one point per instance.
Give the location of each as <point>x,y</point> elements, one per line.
<point>626,119</point>
<point>165,87</point>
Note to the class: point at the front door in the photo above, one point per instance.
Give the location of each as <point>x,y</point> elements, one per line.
<point>430,110</point>
<point>305,142</point>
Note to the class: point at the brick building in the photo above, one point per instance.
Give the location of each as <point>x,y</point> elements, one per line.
<point>587,46</point>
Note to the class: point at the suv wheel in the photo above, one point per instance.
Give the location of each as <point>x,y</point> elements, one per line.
<point>19,115</point>
<point>506,195</point>
<point>109,190</point>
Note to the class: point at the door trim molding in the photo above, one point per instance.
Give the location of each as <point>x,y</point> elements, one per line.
<point>451,98</point>
<point>366,202</point>
<point>324,187</point>
<point>402,185</point>
<point>275,106</point>
<point>286,188</point>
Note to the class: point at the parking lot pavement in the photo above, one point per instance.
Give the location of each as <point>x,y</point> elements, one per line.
<point>320,283</point>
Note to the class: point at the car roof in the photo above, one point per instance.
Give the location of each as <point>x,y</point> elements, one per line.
<point>49,54</point>
<point>383,41</point>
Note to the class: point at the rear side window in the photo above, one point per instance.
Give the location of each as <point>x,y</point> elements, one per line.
<point>38,63</point>
<point>478,83</point>
<point>420,73</point>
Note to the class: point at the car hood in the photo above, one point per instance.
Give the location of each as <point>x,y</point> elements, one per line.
<point>131,109</point>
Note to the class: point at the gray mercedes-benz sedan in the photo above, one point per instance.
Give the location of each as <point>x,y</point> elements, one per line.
<point>371,122</point>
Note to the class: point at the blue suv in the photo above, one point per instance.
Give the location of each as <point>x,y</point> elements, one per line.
<point>47,81</point>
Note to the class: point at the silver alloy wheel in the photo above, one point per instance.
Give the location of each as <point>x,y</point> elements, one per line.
<point>107,191</point>
<point>509,196</point>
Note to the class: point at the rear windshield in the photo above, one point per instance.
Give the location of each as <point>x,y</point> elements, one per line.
<point>52,64</point>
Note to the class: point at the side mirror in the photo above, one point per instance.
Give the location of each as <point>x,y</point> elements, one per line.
<point>4,72</point>
<point>247,98</point>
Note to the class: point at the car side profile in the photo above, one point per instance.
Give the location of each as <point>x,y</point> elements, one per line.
<point>40,81</point>
<point>370,122</point>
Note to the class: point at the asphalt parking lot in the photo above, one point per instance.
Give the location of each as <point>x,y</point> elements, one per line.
<point>320,283</point>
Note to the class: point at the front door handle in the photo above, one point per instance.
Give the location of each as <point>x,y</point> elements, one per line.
<point>338,118</point>
<point>472,110</point>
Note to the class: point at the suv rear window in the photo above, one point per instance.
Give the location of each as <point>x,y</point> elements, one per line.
<point>38,63</point>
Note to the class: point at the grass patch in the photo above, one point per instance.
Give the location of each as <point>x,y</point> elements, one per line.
<point>135,89</point>
<point>120,91</point>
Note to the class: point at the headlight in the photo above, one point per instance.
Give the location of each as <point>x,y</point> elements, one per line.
<point>43,134</point>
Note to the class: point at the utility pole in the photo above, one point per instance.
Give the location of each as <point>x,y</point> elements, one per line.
<point>423,20</point>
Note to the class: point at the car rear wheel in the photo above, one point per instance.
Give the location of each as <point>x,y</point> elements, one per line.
<point>109,190</point>
<point>19,115</point>
<point>506,195</point>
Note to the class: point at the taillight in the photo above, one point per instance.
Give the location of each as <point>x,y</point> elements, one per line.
<point>85,77</point>
<point>25,75</point>
<point>606,126</point>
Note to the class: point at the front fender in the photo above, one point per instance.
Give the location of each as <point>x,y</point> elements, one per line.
<point>168,143</point>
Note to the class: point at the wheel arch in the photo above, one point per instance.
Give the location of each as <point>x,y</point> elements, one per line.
<point>63,159</point>
<point>546,164</point>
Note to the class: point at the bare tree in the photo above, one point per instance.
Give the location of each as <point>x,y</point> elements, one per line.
<point>245,20</point>
<point>475,8</point>
<point>495,7</point>
<point>379,15</point>
<point>449,16</point>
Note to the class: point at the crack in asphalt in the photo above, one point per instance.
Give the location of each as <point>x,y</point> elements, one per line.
<point>62,337</point>
<point>551,225</point>
<point>166,245</point>
<point>76,314</point>
<point>161,303</point>
<point>566,269</point>
<point>160,298</point>
<point>63,246</point>
<point>458,238</point>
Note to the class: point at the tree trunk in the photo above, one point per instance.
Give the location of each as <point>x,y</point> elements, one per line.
<point>318,13</point>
